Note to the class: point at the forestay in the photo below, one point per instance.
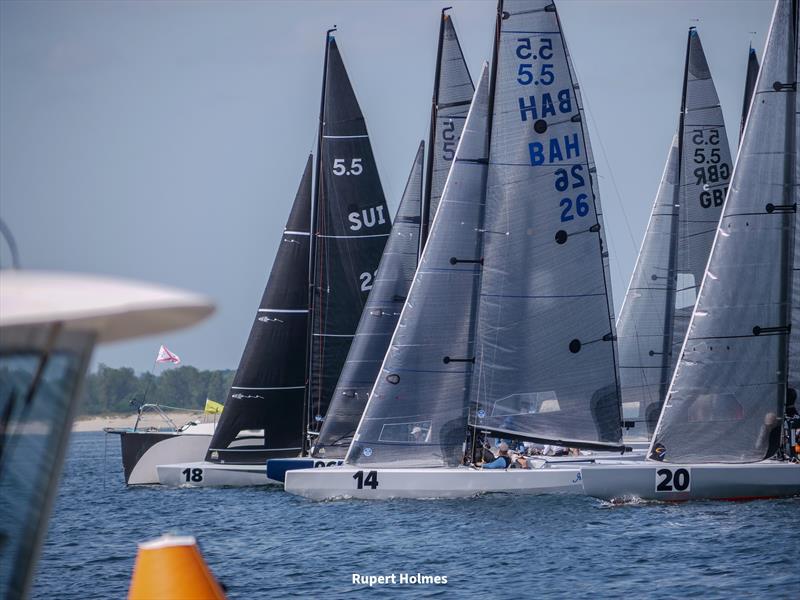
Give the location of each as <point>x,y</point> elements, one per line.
<point>392,281</point>
<point>545,363</point>
<point>352,226</point>
<point>417,412</point>
<point>727,397</point>
<point>675,250</point>
<point>268,389</point>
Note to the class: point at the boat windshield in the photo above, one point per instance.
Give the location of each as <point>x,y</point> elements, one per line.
<point>37,397</point>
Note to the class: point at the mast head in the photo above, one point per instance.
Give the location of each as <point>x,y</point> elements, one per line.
<point>444,11</point>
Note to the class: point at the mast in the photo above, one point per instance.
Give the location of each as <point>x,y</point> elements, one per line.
<point>472,428</point>
<point>425,207</point>
<point>312,265</point>
<point>672,265</point>
<point>788,252</point>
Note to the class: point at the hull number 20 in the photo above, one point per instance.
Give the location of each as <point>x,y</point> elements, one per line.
<point>371,480</point>
<point>673,480</point>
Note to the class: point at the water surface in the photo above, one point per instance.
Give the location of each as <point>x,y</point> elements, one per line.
<point>264,543</point>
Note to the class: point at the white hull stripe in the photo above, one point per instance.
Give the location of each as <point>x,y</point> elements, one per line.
<point>283,310</point>
<point>343,137</point>
<point>296,233</point>
<point>332,335</point>
<point>235,449</point>
<point>345,237</point>
<point>288,387</point>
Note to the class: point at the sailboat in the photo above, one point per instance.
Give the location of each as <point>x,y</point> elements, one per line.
<point>452,94</point>
<point>663,288</point>
<point>508,328</point>
<point>311,306</point>
<point>726,427</point>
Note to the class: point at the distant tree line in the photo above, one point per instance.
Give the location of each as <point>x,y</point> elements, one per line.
<point>110,390</point>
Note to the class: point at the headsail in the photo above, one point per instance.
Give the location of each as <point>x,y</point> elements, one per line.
<point>674,253</point>
<point>749,87</point>
<point>266,397</point>
<point>392,281</point>
<point>546,358</point>
<point>452,94</point>
<point>417,412</point>
<point>727,397</point>
<point>352,226</point>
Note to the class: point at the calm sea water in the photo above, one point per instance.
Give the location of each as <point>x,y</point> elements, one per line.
<point>263,543</point>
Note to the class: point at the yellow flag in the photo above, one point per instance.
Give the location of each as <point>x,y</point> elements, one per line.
<point>213,407</point>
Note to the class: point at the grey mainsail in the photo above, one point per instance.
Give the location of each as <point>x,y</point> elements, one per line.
<point>351,226</point>
<point>727,397</point>
<point>675,250</point>
<point>546,358</point>
<point>417,412</point>
<point>452,94</point>
<point>381,312</point>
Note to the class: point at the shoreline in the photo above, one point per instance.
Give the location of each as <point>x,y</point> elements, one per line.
<point>99,422</point>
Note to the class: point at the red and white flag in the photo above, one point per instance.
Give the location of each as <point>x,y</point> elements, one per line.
<point>165,356</point>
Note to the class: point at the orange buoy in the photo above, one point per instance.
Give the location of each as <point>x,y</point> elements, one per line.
<point>171,568</point>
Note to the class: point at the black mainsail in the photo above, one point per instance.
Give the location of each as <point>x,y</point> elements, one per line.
<point>378,321</point>
<point>351,226</point>
<point>266,398</point>
<point>662,291</point>
<point>740,360</point>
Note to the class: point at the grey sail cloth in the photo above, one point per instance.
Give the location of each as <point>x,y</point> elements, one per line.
<point>385,301</point>
<point>454,95</point>
<point>727,397</point>
<point>546,365</point>
<point>352,226</point>
<point>641,324</point>
<point>266,398</point>
<point>416,415</point>
<point>749,87</point>
<point>675,250</point>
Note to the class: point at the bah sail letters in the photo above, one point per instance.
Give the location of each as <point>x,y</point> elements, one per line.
<point>399,579</point>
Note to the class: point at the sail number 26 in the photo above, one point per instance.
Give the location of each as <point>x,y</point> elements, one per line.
<point>371,480</point>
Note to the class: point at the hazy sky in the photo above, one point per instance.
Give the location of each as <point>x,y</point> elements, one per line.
<point>164,141</point>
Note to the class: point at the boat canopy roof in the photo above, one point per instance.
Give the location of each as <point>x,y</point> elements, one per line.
<point>113,309</point>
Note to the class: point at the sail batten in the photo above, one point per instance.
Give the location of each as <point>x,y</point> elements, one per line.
<point>727,396</point>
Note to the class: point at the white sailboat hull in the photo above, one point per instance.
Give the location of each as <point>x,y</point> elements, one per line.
<point>211,474</point>
<point>458,482</point>
<point>676,482</point>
